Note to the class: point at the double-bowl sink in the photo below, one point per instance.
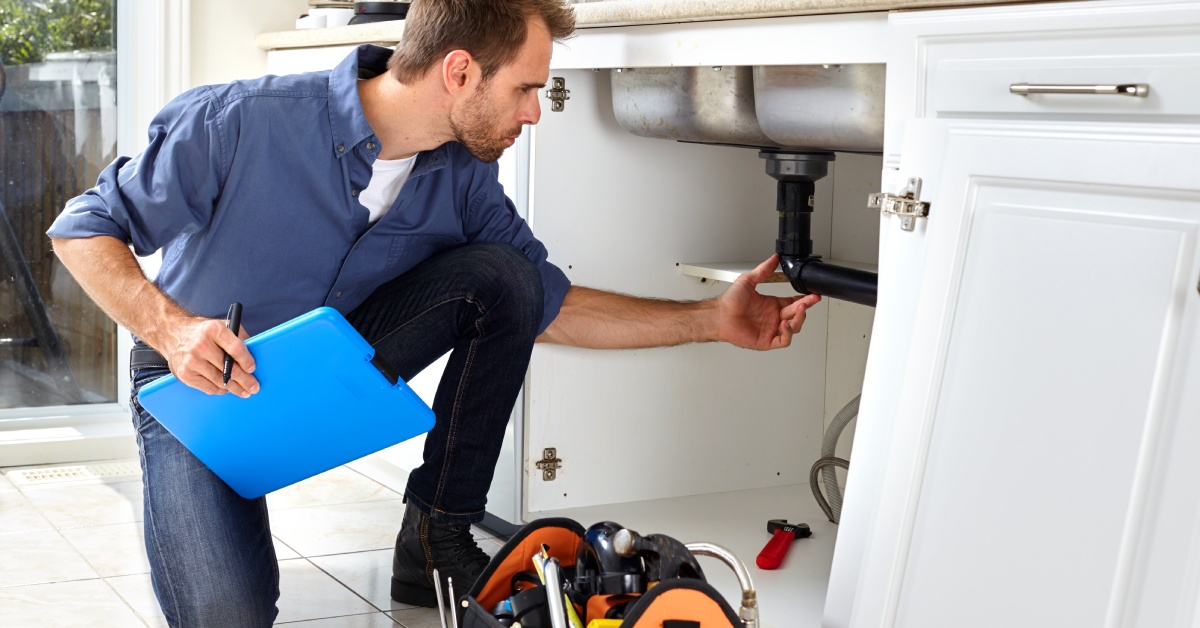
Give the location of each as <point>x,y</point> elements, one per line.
<point>808,107</point>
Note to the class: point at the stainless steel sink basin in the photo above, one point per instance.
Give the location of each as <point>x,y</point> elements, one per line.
<point>807,107</point>
<point>835,107</point>
<point>701,104</point>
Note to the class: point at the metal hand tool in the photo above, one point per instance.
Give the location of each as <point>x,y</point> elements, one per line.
<point>554,598</point>
<point>437,588</point>
<point>453,602</point>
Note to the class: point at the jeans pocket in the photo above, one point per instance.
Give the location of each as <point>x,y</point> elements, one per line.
<point>138,378</point>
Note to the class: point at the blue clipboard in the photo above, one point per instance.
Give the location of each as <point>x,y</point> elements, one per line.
<point>323,402</point>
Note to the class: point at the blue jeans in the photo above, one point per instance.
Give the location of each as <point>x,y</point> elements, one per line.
<point>212,562</point>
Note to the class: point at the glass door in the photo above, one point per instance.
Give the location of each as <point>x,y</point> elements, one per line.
<point>58,129</point>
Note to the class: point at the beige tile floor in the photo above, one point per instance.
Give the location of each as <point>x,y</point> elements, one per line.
<point>71,554</point>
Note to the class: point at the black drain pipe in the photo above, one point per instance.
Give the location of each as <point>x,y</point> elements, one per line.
<point>797,174</point>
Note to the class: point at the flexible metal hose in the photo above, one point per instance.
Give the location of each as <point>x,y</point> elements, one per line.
<point>816,487</point>
<point>829,450</point>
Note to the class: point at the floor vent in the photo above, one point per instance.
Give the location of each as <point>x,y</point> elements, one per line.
<point>125,469</point>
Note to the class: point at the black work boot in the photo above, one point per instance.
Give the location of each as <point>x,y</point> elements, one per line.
<point>425,544</point>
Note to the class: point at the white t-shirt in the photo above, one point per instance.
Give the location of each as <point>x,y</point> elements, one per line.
<point>387,177</point>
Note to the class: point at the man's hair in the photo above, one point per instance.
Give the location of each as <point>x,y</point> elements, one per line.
<point>493,31</point>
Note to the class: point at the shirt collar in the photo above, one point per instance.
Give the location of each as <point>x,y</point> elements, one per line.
<point>346,116</point>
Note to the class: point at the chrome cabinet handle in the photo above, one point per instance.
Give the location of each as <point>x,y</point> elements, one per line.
<point>1138,90</point>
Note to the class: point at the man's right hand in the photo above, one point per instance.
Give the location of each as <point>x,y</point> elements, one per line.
<point>196,354</point>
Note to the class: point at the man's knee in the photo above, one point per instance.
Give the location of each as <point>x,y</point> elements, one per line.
<point>513,280</point>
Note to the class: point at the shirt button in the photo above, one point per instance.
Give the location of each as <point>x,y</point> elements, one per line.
<point>370,145</point>
<point>353,192</point>
<point>338,295</point>
<point>341,148</point>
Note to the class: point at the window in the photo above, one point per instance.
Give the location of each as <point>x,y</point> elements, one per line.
<point>58,129</point>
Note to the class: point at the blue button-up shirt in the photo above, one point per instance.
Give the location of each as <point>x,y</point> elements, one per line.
<point>251,191</point>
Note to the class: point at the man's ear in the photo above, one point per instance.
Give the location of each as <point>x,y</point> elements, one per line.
<point>458,71</point>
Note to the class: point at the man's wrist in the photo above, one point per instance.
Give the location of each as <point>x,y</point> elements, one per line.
<point>162,323</point>
<point>708,320</point>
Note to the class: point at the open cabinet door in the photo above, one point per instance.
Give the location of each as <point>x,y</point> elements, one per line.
<point>1027,447</point>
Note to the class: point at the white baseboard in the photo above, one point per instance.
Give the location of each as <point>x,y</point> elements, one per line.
<point>93,440</point>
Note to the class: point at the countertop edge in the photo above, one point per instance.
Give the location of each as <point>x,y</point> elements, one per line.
<point>641,12</point>
<point>612,13</point>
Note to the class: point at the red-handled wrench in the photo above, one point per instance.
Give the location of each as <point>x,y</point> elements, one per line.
<point>782,535</point>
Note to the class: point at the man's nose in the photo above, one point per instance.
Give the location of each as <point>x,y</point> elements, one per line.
<point>532,111</point>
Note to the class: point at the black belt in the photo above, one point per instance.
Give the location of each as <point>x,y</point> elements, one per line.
<point>142,356</point>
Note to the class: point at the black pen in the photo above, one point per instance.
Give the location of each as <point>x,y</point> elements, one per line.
<point>235,323</point>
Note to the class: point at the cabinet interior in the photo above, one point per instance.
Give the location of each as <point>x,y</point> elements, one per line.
<point>704,442</point>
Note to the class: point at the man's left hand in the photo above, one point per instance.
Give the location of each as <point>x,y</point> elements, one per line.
<point>756,321</point>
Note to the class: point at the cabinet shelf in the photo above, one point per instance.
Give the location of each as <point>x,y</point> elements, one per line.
<point>729,271</point>
<point>793,595</point>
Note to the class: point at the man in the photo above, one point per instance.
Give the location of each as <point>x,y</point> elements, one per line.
<point>366,188</point>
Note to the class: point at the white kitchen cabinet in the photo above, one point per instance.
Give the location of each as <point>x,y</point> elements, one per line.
<point>1026,456</point>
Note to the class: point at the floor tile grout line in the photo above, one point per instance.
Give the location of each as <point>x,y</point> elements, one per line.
<point>281,542</point>
<point>38,584</point>
<point>300,621</point>
<point>377,549</point>
<point>39,489</point>
<point>126,602</point>
<point>78,554</point>
<point>377,482</point>
<point>361,501</point>
<point>57,526</point>
<point>380,549</point>
<point>364,475</point>
<point>346,586</point>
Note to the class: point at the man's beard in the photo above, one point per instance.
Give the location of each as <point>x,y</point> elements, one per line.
<point>474,129</point>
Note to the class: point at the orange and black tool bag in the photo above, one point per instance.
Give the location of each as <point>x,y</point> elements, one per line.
<point>509,592</point>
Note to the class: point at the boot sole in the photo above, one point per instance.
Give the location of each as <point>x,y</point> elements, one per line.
<point>417,596</point>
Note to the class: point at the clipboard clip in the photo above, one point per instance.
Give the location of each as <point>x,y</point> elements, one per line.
<point>386,369</point>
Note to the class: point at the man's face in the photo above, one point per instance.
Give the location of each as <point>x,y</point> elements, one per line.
<point>491,118</point>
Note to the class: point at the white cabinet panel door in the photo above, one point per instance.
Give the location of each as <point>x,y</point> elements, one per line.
<point>1043,465</point>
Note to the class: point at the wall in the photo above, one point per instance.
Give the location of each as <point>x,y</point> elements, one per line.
<point>222,37</point>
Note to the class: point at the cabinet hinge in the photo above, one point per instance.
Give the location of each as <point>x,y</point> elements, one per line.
<point>905,204</point>
<point>549,464</point>
<point>558,94</point>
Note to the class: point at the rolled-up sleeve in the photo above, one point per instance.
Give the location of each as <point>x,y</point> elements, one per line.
<point>169,189</point>
<point>491,217</point>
